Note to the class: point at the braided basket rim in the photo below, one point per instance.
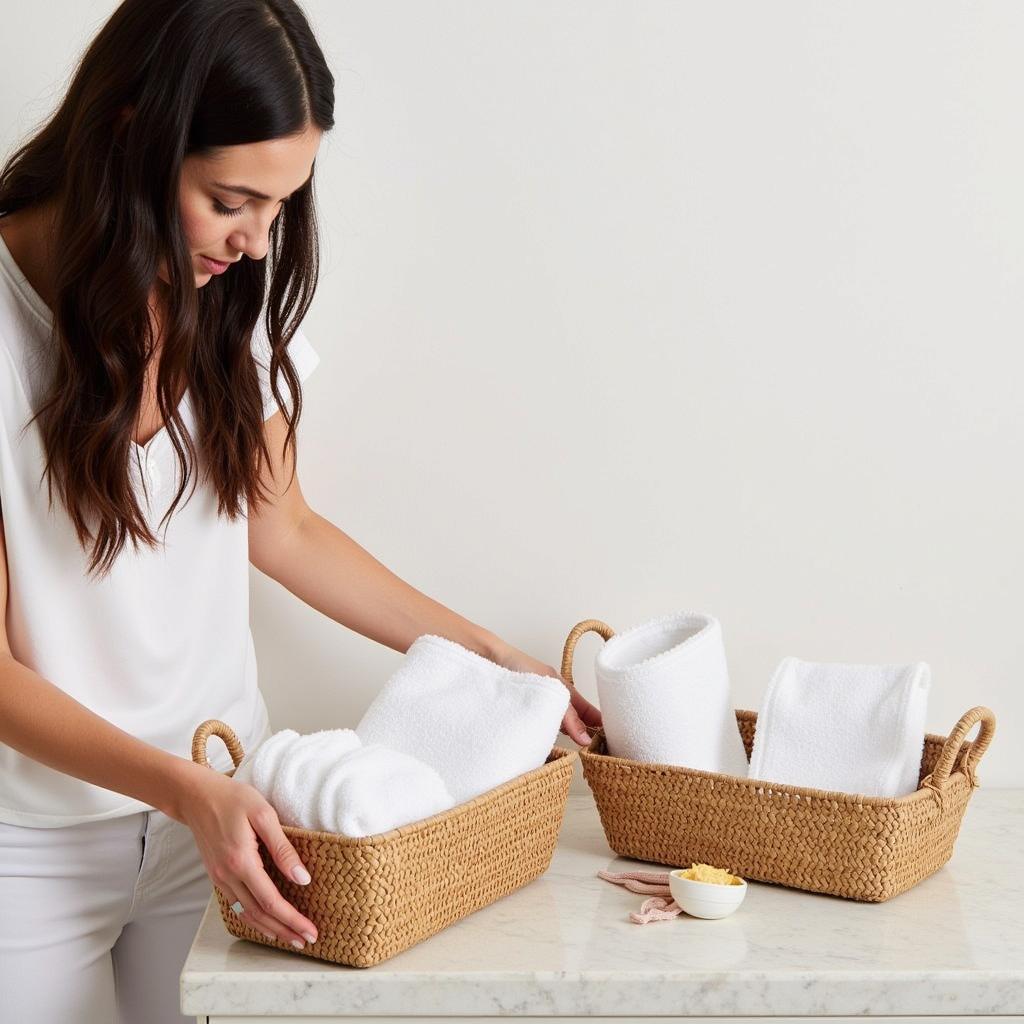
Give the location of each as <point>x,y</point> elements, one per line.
<point>558,760</point>
<point>593,755</point>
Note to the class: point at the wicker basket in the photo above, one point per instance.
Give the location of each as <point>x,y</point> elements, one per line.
<point>859,847</point>
<point>374,896</point>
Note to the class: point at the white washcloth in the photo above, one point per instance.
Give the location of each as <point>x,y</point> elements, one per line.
<point>844,728</point>
<point>663,690</point>
<point>476,723</point>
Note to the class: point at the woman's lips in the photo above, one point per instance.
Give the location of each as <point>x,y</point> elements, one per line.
<point>214,266</point>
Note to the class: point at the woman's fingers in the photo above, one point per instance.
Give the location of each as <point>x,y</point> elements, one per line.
<point>286,858</point>
<point>578,716</point>
<point>241,876</point>
<point>264,908</point>
<point>586,711</point>
<point>237,896</point>
<point>266,899</point>
<point>574,728</point>
<point>233,896</point>
<point>268,827</point>
<point>228,819</point>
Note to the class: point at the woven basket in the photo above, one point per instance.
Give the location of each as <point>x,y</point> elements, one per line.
<point>374,896</point>
<point>859,847</point>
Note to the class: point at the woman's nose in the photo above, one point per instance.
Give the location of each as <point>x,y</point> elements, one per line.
<point>254,243</point>
<point>253,246</point>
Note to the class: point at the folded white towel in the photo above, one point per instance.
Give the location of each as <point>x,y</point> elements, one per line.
<point>663,690</point>
<point>844,728</point>
<point>476,723</point>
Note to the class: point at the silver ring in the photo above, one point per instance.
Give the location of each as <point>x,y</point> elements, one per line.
<point>237,907</point>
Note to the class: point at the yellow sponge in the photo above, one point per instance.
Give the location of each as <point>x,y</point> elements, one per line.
<point>707,873</point>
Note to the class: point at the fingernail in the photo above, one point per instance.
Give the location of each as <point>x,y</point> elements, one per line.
<point>297,944</point>
<point>271,936</point>
<point>300,874</point>
<point>310,938</point>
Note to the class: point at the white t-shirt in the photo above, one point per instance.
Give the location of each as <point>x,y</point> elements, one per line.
<point>160,644</point>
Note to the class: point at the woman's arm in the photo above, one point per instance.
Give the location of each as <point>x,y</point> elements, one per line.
<point>323,566</point>
<point>326,568</point>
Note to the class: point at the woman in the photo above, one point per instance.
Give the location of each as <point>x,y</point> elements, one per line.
<point>130,367</point>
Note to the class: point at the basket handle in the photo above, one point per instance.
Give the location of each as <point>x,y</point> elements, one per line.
<point>215,727</point>
<point>939,775</point>
<point>577,631</point>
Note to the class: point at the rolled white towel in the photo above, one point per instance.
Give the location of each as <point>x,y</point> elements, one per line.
<point>476,723</point>
<point>259,766</point>
<point>663,690</point>
<point>374,789</point>
<point>329,782</point>
<point>297,780</point>
<point>847,728</point>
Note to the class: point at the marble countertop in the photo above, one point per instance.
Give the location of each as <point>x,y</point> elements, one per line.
<point>564,946</point>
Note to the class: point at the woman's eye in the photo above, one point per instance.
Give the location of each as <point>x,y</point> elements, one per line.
<point>228,211</point>
<point>236,211</point>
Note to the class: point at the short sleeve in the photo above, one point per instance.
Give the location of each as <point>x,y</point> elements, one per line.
<point>304,358</point>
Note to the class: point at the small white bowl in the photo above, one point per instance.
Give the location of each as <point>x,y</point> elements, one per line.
<point>705,899</point>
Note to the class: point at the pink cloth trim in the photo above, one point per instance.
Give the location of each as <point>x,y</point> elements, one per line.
<point>657,908</point>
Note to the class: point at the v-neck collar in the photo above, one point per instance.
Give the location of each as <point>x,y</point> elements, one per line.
<point>184,411</point>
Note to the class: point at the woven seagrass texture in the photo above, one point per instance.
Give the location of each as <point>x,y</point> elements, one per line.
<point>859,847</point>
<point>374,896</point>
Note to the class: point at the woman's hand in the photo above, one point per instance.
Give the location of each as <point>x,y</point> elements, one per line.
<point>227,819</point>
<point>580,713</point>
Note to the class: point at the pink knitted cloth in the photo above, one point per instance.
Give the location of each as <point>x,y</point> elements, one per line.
<point>657,908</point>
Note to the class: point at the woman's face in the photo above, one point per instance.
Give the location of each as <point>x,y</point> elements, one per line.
<point>226,225</point>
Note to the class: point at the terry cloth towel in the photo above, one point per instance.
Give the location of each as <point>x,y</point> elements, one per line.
<point>663,689</point>
<point>373,789</point>
<point>296,781</point>
<point>476,723</point>
<point>844,728</point>
<point>259,766</point>
<point>660,906</point>
<point>329,782</point>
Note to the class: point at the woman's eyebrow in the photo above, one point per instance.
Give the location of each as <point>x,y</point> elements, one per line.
<point>244,190</point>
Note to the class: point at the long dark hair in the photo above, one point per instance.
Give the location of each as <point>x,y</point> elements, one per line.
<point>197,74</point>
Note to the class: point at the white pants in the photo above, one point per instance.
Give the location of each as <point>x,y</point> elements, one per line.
<point>96,920</point>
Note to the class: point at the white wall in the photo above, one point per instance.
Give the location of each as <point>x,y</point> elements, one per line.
<point>634,307</point>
